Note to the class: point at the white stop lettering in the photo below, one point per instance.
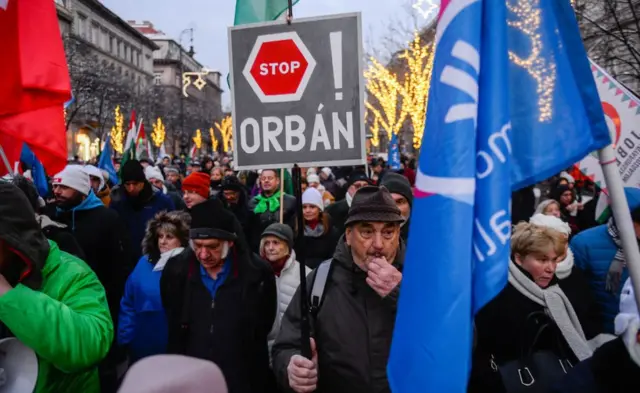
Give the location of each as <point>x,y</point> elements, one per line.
<point>282,68</point>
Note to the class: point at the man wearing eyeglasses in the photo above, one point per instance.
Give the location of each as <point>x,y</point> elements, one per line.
<point>352,325</point>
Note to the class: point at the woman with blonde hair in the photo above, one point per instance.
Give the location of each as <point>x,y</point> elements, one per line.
<point>531,333</point>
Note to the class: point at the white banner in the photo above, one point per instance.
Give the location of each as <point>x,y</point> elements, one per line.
<point>622,113</point>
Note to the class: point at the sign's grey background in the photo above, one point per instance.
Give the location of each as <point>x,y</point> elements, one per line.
<point>314,32</point>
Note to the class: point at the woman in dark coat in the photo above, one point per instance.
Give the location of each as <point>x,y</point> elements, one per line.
<point>320,237</point>
<point>532,313</point>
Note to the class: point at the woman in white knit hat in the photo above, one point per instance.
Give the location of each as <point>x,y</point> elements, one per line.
<point>320,237</point>
<point>571,278</point>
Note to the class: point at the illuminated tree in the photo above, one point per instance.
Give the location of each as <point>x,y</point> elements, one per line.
<point>117,131</point>
<point>198,139</point>
<point>384,87</point>
<point>415,89</point>
<point>374,127</point>
<point>158,133</point>
<point>226,130</point>
<point>214,140</point>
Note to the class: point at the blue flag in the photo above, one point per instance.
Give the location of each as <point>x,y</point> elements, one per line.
<point>106,162</point>
<point>37,170</point>
<point>512,102</point>
<point>394,153</point>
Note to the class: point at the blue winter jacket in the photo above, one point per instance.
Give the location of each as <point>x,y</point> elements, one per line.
<point>136,219</point>
<point>142,326</point>
<point>593,251</point>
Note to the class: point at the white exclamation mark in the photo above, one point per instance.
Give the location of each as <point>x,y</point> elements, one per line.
<point>336,60</point>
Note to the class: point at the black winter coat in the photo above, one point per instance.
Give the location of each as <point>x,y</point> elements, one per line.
<point>230,330</point>
<point>318,249</point>
<point>338,212</point>
<point>257,223</point>
<point>352,330</point>
<point>104,239</point>
<point>504,328</point>
<point>576,286</point>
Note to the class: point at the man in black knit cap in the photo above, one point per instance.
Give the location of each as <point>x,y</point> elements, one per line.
<point>137,203</point>
<point>401,192</point>
<point>220,301</point>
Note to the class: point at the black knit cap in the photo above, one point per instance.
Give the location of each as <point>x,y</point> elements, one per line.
<point>373,204</point>
<point>232,183</point>
<point>210,220</point>
<point>132,171</point>
<point>358,176</point>
<point>398,184</point>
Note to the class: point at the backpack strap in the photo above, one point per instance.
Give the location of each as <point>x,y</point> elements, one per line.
<point>318,285</point>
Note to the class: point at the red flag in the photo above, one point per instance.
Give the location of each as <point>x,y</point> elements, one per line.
<point>34,80</point>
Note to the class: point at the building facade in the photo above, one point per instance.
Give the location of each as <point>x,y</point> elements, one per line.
<point>106,57</point>
<point>201,107</point>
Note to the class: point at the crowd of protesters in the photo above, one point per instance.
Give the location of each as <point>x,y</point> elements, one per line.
<point>187,273</point>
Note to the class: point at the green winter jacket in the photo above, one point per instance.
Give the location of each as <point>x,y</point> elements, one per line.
<point>59,309</point>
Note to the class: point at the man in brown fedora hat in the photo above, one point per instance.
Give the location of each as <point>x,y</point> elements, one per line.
<point>352,322</point>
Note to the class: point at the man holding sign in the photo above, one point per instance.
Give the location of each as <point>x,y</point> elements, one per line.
<point>360,294</point>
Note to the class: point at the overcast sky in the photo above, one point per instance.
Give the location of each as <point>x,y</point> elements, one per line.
<point>210,19</point>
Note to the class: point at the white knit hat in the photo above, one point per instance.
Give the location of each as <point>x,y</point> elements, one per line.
<point>313,178</point>
<point>552,222</point>
<point>153,172</point>
<point>326,171</point>
<point>564,175</point>
<point>311,196</point>
<point>93,171</point>
<point>74,176</point>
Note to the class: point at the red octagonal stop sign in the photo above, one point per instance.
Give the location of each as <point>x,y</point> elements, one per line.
<point>279,67</point>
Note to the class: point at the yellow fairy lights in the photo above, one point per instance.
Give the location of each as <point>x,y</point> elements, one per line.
<point>198,139</point>
<point>226,130</point>
<point>158,133</point>
<point>415,90</point>
<point>542,71</point>
<point>117,131</point>
<point>375,132</point>
<point>383,85</point>
<point>214,141</point>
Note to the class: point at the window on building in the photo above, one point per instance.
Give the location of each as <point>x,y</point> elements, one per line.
<point>127,51</point>
<point>120,49</point>
<point>138,58</point>
<point>95,34</point>
<point>120,70</point>
<point>82,26</point>
<point>157,78</point>
<point>112,44</point>
<point>104,39</point>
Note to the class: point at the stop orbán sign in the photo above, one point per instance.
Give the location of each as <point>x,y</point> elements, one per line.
<point>297,93</point>
<point>279,67</point>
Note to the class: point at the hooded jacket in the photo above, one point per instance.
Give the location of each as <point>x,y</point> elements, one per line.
<point>58,309</point>
<point>353,330</point>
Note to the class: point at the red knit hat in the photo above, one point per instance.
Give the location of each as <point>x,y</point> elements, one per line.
<point>197,182</point>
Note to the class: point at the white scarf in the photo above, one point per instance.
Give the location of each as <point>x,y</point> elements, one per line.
<point>164,258</point>
<point>563,270</point>
<point>349,198</point>
<point>558,306</point>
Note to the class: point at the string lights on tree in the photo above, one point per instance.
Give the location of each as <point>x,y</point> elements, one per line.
<point>117,131</point>
<point>527,20</point>
<point>383,85</point>
<point>415,89</point>
<point>198,139</point>
<point>158,134</point>
<point>225,127</point>
<point>214,140</point>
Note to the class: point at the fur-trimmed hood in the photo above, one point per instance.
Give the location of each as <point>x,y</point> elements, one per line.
<point>177,219</point>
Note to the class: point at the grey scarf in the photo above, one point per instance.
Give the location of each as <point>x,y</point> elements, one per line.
<point>557,306</point>
<point>614,275</point>
<point>316,232</point>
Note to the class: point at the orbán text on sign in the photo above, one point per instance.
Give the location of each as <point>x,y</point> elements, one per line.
<point>279,67</point>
